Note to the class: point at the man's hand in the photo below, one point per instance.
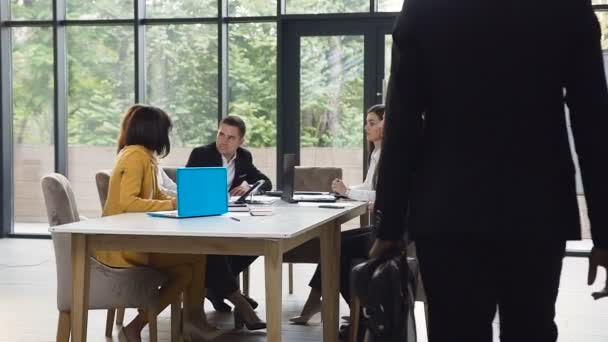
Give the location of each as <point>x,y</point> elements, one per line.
<point>241,189</point>
<point>338,186</point>
<point>598,257</point>
<point>382,247</point>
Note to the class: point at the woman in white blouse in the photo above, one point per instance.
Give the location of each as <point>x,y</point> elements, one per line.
<point>356,242</point>
<point>374,124</point>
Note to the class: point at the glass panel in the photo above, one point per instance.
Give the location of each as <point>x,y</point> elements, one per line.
<point>252,87</point>
<point>100,72</point>
<point>332,113</point>
<point>181,8</point>
<point>182,77</point>
<point>388,47</point>
<point>324,6</point>
<point>31,10</point>
<point>250,8</point>
<point>32,125</point>
<point>603,19</point>
<point>390,5</point>
<point>100,9</point>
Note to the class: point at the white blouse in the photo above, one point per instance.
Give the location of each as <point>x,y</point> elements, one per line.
<point>365,191</point>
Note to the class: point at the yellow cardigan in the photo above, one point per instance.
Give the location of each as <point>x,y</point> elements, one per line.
<point>133,188</point>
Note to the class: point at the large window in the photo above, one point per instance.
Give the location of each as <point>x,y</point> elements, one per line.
<point>99,9</point>
<point>31,9</point>
<point>324,6</point>
<point>181,8</point>
<point>331,97</point>
<point>33,153</point>
<point>252,88</point>
<point>182,78</point>
<point>101,82</point>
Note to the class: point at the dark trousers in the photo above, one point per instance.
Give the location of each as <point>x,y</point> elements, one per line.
<point>467,278</point>
<point>222,272</point>
<point>355,244</point>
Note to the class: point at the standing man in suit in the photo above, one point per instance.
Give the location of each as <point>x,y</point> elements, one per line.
<point>476,165</point>
<point>222,270</point>
<point>226,151</point>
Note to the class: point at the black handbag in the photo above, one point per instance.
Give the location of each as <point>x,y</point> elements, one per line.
<point>385,287</point>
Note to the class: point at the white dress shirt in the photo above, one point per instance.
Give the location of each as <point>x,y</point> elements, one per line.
<point>230,165</point>
<point>165,183</point>
<point>365,191</point>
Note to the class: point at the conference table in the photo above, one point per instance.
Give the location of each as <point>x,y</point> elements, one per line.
<point>290,226</point>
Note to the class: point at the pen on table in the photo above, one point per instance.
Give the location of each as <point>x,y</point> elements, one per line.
<point>236,219</point>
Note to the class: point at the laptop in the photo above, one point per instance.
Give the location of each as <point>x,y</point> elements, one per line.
<point>289,163</point>
<point>201,191</point>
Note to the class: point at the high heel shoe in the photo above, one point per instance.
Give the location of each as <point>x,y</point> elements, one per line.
<point>190,330</point>
<point>303,319</point>
<point>239,322</point>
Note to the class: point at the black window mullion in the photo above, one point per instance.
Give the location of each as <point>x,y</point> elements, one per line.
<point>223,59</point>
<point>140,51</point>
<point>60,87</point>
<point>6,124</point>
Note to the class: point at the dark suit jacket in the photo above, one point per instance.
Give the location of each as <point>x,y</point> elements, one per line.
<point>476,135</point>
<point>244,170</point>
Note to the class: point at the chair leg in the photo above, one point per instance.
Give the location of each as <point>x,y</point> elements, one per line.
<point>290,278</point>
<point>246,282</point>
<point>176,320</point>
<point>120,316</point>
<point>110,322</point>
<point>64,326</point>
<point>152,325</point>
<point>355,310</point>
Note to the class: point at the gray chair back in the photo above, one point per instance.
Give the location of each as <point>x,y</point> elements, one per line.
<point>59,200</point>
<point>110,288</point>
<point>102,180</point>
<point>315,178</point>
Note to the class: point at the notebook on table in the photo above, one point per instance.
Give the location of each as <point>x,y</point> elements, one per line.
<point>201,191</point>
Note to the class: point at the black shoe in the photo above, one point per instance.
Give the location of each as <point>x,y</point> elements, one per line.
<point>251,301</point>
<point>218,303</point>
<point>239,322</point>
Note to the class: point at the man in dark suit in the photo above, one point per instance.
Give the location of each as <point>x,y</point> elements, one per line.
<point>222,270</point>
<point>227,151</point>
<point>476,165</point>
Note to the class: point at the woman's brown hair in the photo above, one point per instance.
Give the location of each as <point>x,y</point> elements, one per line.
<point>148,126</point>
<point>379,111</point>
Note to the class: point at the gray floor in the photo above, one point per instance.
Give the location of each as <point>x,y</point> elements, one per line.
<point>28,311</point>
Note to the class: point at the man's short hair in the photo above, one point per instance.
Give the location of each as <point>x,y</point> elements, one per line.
<point>233,120</point>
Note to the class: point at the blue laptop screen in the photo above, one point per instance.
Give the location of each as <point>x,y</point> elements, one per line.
<point>202,191</point>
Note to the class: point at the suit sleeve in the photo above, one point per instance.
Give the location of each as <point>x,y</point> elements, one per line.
<point>253,174</point>
<point>402,131</point>
<point>587,99</point>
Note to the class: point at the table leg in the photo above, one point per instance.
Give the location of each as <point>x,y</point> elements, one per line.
<point>330,254</point>
<point>273,259</point>
<point>80,287</point>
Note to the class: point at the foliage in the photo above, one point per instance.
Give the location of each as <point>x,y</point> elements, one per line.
<point>181,73</point>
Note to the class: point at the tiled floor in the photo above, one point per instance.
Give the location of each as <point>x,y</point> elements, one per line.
<point>28,312</point>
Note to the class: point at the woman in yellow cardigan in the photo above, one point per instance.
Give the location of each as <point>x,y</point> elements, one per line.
<point>134,188</point>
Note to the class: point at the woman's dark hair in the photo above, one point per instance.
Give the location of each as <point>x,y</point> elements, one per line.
<point>377,109</point>
<point>148,126</point>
